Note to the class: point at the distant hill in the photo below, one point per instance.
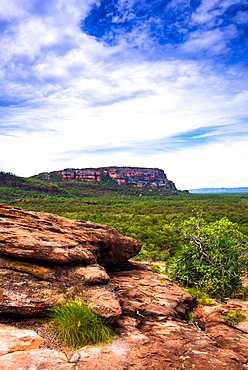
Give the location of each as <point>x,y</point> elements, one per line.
<point>9,179</point>
<point>219,190</point>
<point>89,182</point>
<point>134,176</point>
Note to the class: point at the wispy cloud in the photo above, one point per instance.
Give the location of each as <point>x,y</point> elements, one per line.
<point>89,82</point>
<point>194,138</point>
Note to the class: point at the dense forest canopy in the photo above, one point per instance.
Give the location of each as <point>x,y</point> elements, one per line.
<point>157,218</point>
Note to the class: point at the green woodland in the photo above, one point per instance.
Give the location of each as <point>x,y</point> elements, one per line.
<point>200,239</point>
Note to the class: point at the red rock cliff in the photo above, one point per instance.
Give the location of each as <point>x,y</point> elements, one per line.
<point>134,176</point>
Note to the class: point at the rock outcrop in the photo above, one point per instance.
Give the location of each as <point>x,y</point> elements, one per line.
<point>134,176</point>
<point>231,337</point>
<point>46,237</point>
<point>45,258</point>
<point>153,332</point>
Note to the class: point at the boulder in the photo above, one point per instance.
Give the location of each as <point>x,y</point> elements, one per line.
<point>45,258</point>
<point>50,238</point>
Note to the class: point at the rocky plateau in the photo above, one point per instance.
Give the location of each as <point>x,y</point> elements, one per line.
<point>45,258</point>
<point>133,176</point>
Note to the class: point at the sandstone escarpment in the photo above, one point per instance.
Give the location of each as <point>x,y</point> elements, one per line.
<point>133,176</point>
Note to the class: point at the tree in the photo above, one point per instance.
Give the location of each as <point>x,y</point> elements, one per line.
<point>211,257</point>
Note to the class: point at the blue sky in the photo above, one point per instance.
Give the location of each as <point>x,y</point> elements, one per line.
<point>88,83</point>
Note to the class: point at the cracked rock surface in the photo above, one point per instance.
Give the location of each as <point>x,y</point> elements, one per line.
<point>152,332</point>
<point>45,258</point>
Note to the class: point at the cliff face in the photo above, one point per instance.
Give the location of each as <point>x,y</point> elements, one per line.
<point>134,176</point>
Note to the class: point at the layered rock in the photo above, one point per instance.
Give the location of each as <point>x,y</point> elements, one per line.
<point>153,332</point>
<point>232,337</point>
<point>50,238</point>
<point>45,258</point>
<point>134,176</point>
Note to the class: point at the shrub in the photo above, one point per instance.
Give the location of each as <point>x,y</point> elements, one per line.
<point>76,325</point>
<point>210,259</point>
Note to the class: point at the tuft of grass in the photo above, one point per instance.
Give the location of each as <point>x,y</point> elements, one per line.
<point>202,297</point>
<point>189,317</point>
<point>233,317</point>
<point>156,268</point>
<point>159,267</point>
<point>77,326</point>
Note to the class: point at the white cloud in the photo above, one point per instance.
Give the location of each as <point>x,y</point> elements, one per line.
<point>10,9</point>
<point>241,97</point>
<point>209,10</point>
<point>78,96</point>
<point>213,42</point>
<point>213,165</point>
<point>241,17</point>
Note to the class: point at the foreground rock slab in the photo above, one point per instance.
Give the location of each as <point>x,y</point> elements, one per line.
<point>155,328</point>
<point>13,339</point>
<point>36,360</point>
<point>45,258</point>
<point>232,337</point>
<point>46,237</point>
<point>153,333</point>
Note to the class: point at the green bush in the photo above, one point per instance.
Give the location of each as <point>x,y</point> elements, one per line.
<point>210,259</point>
<point>77,326</point>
